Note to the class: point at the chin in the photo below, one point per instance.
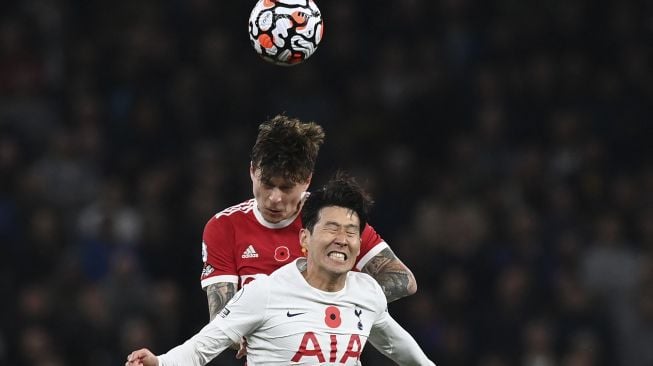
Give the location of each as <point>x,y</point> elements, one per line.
<point>274,219</point>
<point>341,268</point>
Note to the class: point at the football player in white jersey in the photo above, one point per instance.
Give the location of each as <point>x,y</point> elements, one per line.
<point>312,311</point>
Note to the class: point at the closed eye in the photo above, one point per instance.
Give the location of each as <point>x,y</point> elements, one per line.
<point>332,228</point>
<point>350,230</point>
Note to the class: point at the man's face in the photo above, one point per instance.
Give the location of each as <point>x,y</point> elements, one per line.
<point>277,199</point>
<point>335,242</point>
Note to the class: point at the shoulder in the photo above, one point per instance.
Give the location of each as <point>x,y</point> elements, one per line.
<point>235,210</point>
<point>261,286</point>
<point>364,283</point>
<point>372,244</point>
<point>362,279</point>
<point>253,296</point>
<point>286,280</point>
<point>285,272</point>
<point>232,213</point>
<point>370,234</point>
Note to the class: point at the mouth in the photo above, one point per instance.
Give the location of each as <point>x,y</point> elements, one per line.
<point>337,256</point>
<point>273,212</point>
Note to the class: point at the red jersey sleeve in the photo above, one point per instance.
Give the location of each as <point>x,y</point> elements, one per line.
<point>218,252</point>
<point>371,245</point>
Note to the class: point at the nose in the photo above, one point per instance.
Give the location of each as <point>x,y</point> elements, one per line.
<point>275,195</point>
<point>341,238</point>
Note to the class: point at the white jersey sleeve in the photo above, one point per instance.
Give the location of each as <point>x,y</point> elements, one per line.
<point>393,341</point>
<point>239,317</point>
<point>198,350</point>
<point>245,311</point>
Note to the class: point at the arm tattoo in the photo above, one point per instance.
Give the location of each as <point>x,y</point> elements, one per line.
<point>394,277</point>
<point>218,295</point>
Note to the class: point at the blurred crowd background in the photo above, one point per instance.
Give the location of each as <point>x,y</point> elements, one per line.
<point>507,144</point>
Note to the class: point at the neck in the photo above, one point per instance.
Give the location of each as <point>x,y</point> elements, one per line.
<point>323,281</point>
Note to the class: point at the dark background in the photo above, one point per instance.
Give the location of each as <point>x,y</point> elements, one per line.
<point>507,144</point>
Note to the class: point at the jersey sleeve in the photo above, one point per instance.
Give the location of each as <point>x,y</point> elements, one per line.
<point>371,245</point>
<point>218,252</point>
<point>394,342</point>
<point>238,318</point>
<point>245,311</point>
<point>198,350</point>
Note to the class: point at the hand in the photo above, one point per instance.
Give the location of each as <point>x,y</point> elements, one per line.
<point>242,350</point>
<point>142,357</point>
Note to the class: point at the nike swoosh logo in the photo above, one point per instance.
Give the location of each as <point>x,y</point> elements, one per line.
<point>290,315</point>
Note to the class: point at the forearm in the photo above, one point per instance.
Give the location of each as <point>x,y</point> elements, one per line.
<point>218,294</point>
<point>394,277</point>
<point>198,350</point>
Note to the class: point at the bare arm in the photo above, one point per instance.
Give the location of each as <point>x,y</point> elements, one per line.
<point>394,277</point>
<point>218,294</point>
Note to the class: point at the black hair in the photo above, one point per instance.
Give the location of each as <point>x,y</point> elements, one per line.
<point>342,191</point>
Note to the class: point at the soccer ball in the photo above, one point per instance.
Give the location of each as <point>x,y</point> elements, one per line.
<point>285,32</point>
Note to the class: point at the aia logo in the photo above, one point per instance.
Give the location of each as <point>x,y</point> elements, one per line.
<point>310,347</point>
<point>281,253</point>
<point>337,348</point>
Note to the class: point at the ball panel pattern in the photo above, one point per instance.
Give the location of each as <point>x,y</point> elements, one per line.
<point>285,32</point>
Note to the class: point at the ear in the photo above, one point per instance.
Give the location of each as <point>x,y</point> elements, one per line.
<point>304,235</point>
<point>307,183</point>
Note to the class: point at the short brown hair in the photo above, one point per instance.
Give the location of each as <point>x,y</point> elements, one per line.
<point>287,147</point>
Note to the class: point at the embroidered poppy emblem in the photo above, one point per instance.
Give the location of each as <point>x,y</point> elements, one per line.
<point>281,254</point>
<point>332,317</point>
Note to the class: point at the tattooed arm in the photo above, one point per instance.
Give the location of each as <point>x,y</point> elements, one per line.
<point>394,277</point>
<point>218,294</point>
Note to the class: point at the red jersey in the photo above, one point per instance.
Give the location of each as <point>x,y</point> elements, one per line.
<point>238,245</point>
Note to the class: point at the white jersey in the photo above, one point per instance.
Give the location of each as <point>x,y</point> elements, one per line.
<point>288,322</point>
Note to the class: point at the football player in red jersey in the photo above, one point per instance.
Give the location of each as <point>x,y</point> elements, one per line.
<point>255,237</point>
<point>313,310</point>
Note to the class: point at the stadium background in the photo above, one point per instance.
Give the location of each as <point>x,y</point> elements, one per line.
<point>505,142</point>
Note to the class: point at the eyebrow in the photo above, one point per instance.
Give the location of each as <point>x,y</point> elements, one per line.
<point>285,184</point>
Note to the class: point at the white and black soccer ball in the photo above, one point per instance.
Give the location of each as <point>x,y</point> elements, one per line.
<point>285,32</point>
